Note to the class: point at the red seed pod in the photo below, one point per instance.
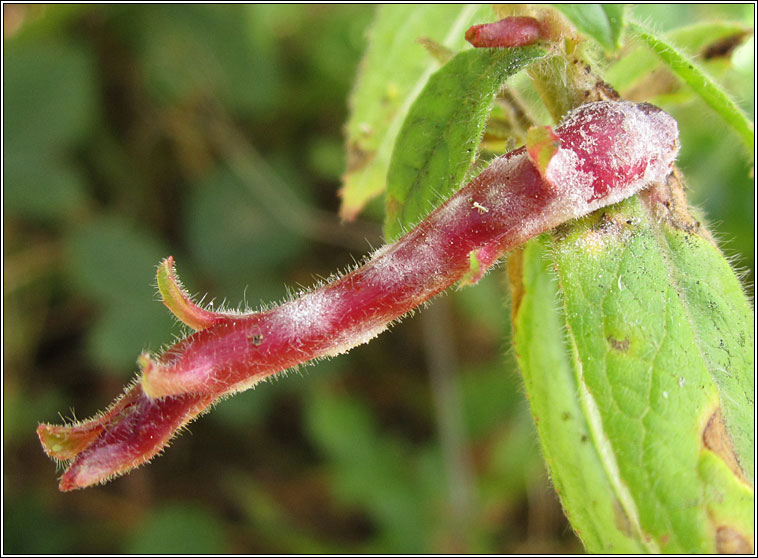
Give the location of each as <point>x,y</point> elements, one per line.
<point>509,32</point>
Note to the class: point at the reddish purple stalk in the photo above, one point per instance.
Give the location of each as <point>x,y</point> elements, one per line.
<point>600,154</point>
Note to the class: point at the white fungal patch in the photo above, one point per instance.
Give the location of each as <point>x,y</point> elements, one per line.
<point>647,140</point>
<point>412,261</point>
<point>564,172</point>
<point>387,269</point>
<point>450,211</point>
<point>311,314</point>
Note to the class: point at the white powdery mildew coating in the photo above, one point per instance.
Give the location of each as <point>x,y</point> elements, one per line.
<point>652,137</point>
<point>646,136</point>
<point>310,314</point>
<point>499,197</point>
<point>394,264</point>
<point>622,136</point>
<point>386,267</point>
<point>408,268</point>
<point>656,135</point>
<point>575,185</point>
<point>450,211</point>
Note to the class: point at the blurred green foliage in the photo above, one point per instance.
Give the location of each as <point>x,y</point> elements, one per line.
<point>214,133</point>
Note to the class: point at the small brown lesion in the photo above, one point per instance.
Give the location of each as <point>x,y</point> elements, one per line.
<point>621,519</point>
<point>660,81</point>
<point>357,157</point>
<point>255,337</point>
<point>605,92</point>
<point>668,202</point>
<point>716,438</point>
<point>393,206</point>
<point>730,541</point>
<point>724,47</point>
<point>621,345</point>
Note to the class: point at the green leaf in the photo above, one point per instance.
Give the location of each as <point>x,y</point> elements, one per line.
<point>41,187</point>
<point>233,237</point>
<point>49,103</point>
<point>439,138</point>
<point>698,36</point>
<point>660,344</point>
<point>113,263</point>
<point>49,95</point>
<point>370,469</point>
<point>694,76</point>
<point>576,467</point>
<point>190,52</point>
<point>723,326</point>
<point>639,63</point>
<point>393,72</point>
<point>602,22</point>
<point>180,528</point>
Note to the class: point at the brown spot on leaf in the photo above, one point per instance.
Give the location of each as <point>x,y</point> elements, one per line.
<point>668,202</point>
<point>612,224</point>
<point>659,81</point>
<point>730,541</point>
<point>604,91</point>
<point>621,519</point>
<point>723,48</point>
<point>393,206</point>
<point>621,345</point>
<point>717,439</point>
<point>357,158</point>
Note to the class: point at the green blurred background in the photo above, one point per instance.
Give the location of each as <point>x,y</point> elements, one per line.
<point>214,134</point>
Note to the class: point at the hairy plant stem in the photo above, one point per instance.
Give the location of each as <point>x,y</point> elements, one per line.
<point>601,154</point>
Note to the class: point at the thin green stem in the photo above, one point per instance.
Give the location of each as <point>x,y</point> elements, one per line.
<point>700,82</point>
